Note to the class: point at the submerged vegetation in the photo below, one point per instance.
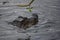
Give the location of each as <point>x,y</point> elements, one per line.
<point>22,5</point>
<point>25,5</point>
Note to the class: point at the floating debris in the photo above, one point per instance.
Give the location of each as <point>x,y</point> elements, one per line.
<point>26,22</point>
